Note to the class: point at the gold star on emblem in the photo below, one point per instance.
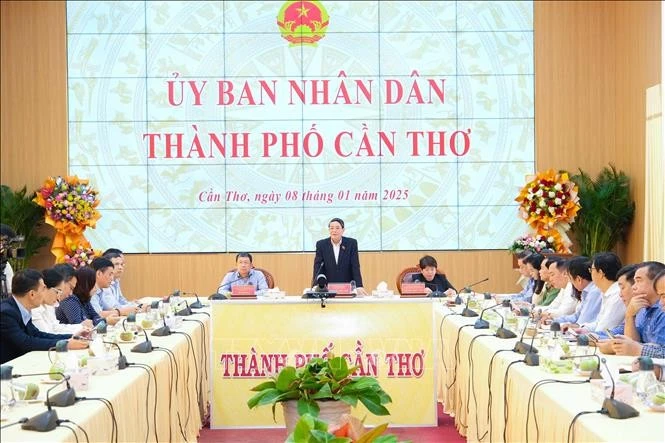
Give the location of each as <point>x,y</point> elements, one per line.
<point>303,11</point>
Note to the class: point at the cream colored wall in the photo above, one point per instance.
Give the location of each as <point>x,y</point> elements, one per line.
<point>594,61</point>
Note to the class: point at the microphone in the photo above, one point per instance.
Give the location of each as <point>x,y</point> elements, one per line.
<point>615,408</point>
<point>503,332</point>
<point>145,347</point>
<point>197,304</point>
<point>163,331</point>
<point>555,327</point>
<point>318,272</point>
<point>523,348</point>
<point>468,312</point>
<point>122,360</point>
<point>531,358</point>
<point>186,311</point>
<point>62,399</point>
<point>229,283</point>
<point>321,282</point>
<point>102,327</point>
<point>48,420</point>
<point>484,324</point>
<point>595,373</point>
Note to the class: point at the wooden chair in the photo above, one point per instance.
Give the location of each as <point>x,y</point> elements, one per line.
<point>406,276</point>
<point>270,280</point>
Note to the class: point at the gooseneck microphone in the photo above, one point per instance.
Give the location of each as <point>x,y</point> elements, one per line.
<point>163,331</point>
<point>184,312</point>
<point>503,332</point>
<point>145,347</point>
<point>531,358</point>
<point>122,360</point>
<point>48,420</point>
<point>524,348</point>
<point>615,408</point>
<point>229,283</point>
<point>62,399</point>
<point>484,324</point>
<point>316,275</point>
<point>468,312</point>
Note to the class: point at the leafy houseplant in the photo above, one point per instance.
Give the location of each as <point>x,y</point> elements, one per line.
<point>18,211</point>
<point>312,430</point>
<point>321,380</point>
<point>607,210</point>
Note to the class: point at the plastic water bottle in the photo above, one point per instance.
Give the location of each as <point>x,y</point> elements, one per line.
<point>646,385</point>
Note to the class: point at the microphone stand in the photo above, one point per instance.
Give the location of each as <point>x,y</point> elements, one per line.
<point>615,408</point>
<point>503,332</point>
<point>145,347</point>
<point>484,324</point>
<point>186,311</point>
<point>47,420</point>
<point>163,331</point>
<point>468,312</point>
<point>531,358</point>
<point>122,360</point>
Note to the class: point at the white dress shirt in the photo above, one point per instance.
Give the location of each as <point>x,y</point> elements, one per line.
<point>563,304</point>
<point>612,310</point>
<point>43,317</point>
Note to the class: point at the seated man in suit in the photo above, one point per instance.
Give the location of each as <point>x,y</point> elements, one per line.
<point>337,257</point>
<point>432,279</point>
<point>243,275</point>
<point>18,335</point>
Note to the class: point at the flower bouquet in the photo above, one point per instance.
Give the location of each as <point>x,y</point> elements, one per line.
<point>549,203</point>
<point>80,256</point>
<point>70,207</point>
<point>532,243</point>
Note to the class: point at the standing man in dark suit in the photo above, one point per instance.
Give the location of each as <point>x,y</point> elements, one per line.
<point>337,257</point>
<point>18,335</point>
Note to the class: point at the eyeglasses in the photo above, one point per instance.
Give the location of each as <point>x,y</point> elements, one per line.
<point>591,269</point>
<point>58,291</point>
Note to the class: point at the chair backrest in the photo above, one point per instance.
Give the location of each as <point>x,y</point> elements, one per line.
<point>406,276</point>
<point>270,280</point>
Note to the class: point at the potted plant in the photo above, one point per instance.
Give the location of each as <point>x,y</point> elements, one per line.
<point>311,429</point>
<point>18,211</point>
<point>607,210</point>
<point>324,388</point>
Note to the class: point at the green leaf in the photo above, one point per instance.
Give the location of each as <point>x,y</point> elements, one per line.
<point>285,378</point>
<point>349,399</point>
<point>308,407</point>
<point>269,396</point>
<point>373,405</point>
<point>339,368</point>
<point>264,385</point>
<point>302,430</point>
<point>360,384</point>
<point>389,438</point>
<point>324,392</point>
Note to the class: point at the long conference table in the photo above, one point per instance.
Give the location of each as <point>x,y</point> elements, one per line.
<point>473,371</point>
<point>466,360</point>
<point>181,390</point>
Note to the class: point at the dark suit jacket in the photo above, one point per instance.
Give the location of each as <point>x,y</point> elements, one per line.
<point>348,266</point>
<point>18,339</point>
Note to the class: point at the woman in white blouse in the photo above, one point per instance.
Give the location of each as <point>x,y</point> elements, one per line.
<point>57,288</point>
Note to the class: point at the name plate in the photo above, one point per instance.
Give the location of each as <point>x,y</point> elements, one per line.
<point>413,288</point>
<point>340,288</point>
<point>243,290</point>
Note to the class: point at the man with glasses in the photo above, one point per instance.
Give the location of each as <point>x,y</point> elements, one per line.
<point>18,335</point>
<point>337,257</point>
<point>590,296</point>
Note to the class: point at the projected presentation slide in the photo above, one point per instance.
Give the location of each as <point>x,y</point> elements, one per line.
<point>213,126</point>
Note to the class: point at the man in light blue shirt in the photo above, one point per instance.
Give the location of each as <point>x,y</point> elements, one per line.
<point>110,298</point>
<point>591,297</point>
<point>243,275</point>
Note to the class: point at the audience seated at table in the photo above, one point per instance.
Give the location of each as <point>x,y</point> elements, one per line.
<point>109,299</point>
<point>43,316</point>
<point>589,295</point>
<point>526,293</point>
<point>548,293</point>
<point>644,330</point>
<point>625,280</point>
<point>604,268</point>
<point>18,335</point>
<point>565,302</point>
<point>77,308</point>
